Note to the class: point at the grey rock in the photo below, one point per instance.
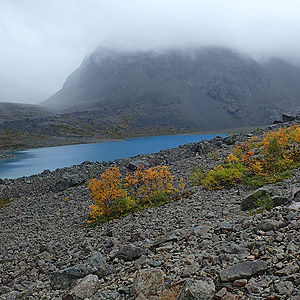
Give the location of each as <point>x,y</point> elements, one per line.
<point>94,265</point>
<point>12,295</point>
<point>135,164</point>
<point>284,287</point>
<point>83,288</point>
<point>287,117</point>
<point>288,269</point>
<point>249,202</point>
<point>266,225</point>
<point>130,252</point>
<point>243,270</point>
<point>67,181</point>
<point>230,140</point>
<point>148,283</point>
<point>197,290</point>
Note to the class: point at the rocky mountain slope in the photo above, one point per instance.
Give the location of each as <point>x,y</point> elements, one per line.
<point>200,247</point>
<point>202,89</point>
<point>18,111</point>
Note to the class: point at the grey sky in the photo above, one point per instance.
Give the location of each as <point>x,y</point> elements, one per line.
<point>43,41</point>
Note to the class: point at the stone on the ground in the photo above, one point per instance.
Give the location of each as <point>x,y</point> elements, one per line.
<point>148,283</point>
<point>83,288</point>
<point>243,270</point>
<point>197,290</point>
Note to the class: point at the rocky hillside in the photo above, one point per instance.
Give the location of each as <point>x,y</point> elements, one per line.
<point>15,111</point>
<point>200,247</point>
<point>204,89</point>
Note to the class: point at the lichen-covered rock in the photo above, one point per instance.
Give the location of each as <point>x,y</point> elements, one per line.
<point>148,283</point>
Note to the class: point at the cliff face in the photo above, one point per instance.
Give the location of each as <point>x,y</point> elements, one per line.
<point>203,89</point>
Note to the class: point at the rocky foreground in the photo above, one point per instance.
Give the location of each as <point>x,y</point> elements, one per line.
<point>200,247</point>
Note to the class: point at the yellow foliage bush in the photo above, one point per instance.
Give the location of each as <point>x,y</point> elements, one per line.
<point>115,196</point>
<point>261,159</point>
<point>222,176</point>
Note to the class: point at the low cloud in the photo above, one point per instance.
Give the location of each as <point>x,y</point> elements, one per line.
<point>42,42</point>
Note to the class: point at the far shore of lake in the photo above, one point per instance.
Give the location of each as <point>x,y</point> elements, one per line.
<point>8,154</point>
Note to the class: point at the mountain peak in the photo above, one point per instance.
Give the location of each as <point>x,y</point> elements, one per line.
<point>207,88</point>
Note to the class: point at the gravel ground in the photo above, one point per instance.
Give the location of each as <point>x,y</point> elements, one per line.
<point>203,245</point>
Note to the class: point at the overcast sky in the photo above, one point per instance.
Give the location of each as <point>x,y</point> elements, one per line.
<point>43,41</point>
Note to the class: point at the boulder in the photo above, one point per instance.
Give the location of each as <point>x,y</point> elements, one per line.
<point>83,288</point>
<point>129,252</point>
<point>243,270</point>
<point>67,181</point>
<point>287,117</point>
<point>96,264</point>
<point>230,139</point>
<point>249,202</point>
<point>135,164</point>
<point>148,283</point>
<point>197,290</point>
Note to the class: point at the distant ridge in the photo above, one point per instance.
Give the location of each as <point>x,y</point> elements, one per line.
<point>205,89</point>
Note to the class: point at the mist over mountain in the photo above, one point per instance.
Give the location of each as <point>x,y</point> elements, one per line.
<point>11,112</point>
<point>12,91</point>
<point>203,89</point>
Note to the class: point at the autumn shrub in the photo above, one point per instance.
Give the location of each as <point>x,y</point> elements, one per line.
<point>223,176</point>
<point>275,152</point>
<point>115,195</point>
<point>110,198</point>
<point>149,186</point>
<point>197,175</point>
<point>260,160</point>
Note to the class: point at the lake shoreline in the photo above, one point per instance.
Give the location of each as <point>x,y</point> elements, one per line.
<point>7,154</point>
<point>35,161</point>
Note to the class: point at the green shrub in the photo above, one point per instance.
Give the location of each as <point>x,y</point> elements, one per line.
<point>223,176</point>
<point>263,200</point>
<point>197,175</point>
<point>258,161</point>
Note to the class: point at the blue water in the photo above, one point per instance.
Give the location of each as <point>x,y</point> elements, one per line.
<point>35,161</point>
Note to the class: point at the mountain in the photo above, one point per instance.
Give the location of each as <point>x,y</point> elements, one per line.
<point>18,111</point>
<point>203,89</point>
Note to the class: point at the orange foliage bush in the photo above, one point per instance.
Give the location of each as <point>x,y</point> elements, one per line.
<point>115,196</point>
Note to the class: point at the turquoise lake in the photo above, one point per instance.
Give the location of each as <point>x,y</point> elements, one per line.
<point>34,161</point>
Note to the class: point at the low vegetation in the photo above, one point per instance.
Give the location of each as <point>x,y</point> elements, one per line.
<point>115,195</point>
<point>261,160</point>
